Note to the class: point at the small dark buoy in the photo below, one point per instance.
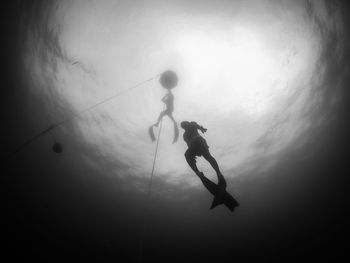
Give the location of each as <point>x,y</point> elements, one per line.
<point>57,147</point>
<point>168,79</point>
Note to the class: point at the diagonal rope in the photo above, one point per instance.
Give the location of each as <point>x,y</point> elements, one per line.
<point>148,197</point>
<point>104,101</point>
<point>23,145</point>
<point>73,116</point>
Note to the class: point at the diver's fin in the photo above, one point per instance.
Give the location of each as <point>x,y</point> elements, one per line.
<point>230,202</point>
<point>151,133</point>
<point>176,133</point>
<point>223,197</point>
<point>218,200</point>
<point>211,187</point>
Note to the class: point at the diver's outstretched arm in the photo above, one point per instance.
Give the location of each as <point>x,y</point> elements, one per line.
<point>199,127</point>
<point>165,98</point>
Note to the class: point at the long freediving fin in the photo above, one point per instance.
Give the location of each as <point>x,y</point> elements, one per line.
<point>221,196</point>
<point>230,202</point>
<point>216,201</point>
<point>226,199</point>
<point>151,133</point>
<point>176,133</point>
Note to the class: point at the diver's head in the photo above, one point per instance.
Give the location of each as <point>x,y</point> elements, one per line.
<point>184,124</point>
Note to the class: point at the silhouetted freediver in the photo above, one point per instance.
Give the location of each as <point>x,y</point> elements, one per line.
<point>197,146</point>
<point>168,100</point>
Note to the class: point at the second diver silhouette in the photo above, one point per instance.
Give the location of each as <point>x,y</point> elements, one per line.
<point>197,146</point>
<point>168,80</point>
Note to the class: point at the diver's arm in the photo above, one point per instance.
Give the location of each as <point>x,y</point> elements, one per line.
<point>165,98</point>
<point>203,130</point>
<point>199,127</point>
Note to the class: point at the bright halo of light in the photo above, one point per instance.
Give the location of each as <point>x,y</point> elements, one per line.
<point>228,73</point>
<point>250,78</point>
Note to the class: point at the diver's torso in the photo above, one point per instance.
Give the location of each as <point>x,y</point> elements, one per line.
<point>190,134</point>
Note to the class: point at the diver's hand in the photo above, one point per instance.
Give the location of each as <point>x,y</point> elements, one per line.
<point>203,130</point>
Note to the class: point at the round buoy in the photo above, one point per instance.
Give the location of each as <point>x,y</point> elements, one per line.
<point>168,79</point>
<point>57,147</point>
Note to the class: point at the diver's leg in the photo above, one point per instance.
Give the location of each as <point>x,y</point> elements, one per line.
<point>170,114</point>
<point>176,129</point>
<point>161,115</point>
<point>214,164</point>
<point>211,186</point>
<point>191,160</point>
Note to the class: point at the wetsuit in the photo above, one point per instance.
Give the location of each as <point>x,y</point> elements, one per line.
<point>197,145</point>
<point>169,102</point>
